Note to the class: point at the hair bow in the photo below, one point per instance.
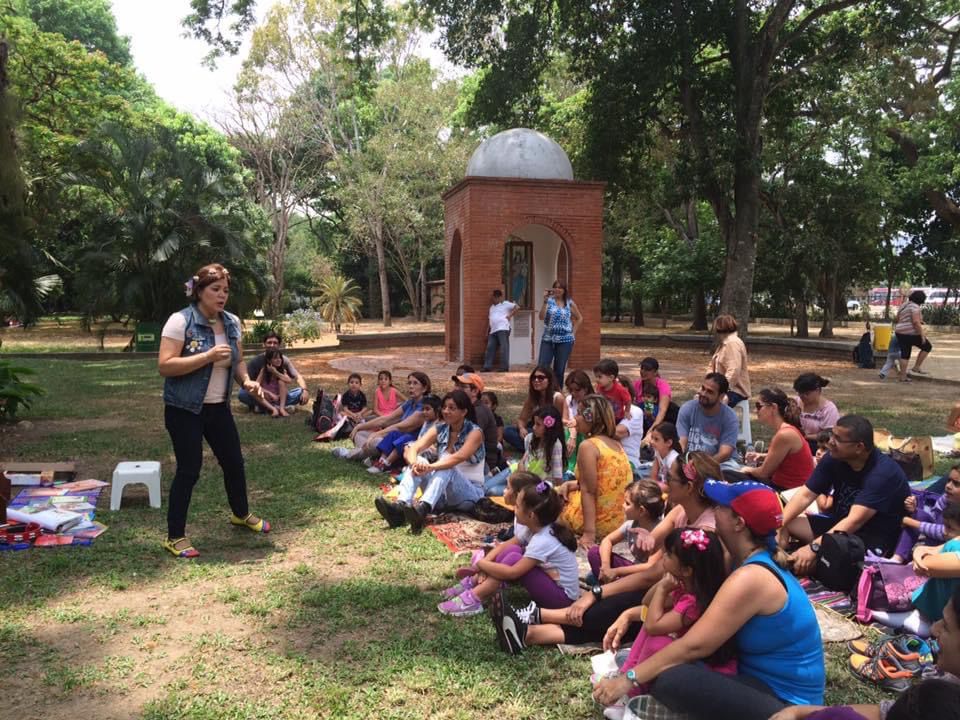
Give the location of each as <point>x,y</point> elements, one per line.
<point>695,538</point>
<point>189,285</point>
<point>542,487</point>
<point>549,421</point>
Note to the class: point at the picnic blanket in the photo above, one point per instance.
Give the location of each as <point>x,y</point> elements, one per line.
<point>67,496</point>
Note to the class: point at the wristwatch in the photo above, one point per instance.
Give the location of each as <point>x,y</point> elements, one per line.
<point>815,546</point>
<point>597,591</point>
<point>632,677</point>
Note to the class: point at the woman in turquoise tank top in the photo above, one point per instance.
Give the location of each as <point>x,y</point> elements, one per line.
<point>762,606</point>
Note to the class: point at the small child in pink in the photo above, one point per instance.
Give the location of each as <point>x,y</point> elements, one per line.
<point>695,570</point>
<point>386,399</point>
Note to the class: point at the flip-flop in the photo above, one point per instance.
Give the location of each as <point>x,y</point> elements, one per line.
<point>251,522</point>
<point>186,550</point>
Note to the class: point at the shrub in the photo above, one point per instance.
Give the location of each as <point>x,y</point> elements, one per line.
<point>941,314</point>
<point>256,334</point>
<point>302,325</point>
<point>14,392</point>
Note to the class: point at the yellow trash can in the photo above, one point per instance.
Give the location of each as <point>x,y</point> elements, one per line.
<point>881,337</point>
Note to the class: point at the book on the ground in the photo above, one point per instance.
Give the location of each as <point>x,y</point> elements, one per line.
<point>51,519</point>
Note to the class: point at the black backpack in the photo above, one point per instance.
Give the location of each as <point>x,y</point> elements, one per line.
<point>863,353</point>
<point>321,419</point>
<point>839,561</point>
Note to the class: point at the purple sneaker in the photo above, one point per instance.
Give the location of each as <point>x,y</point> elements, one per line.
<point>466,584</point>
<point>463,605</point>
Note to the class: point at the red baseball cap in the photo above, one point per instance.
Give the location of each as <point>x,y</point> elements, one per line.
<point>755,502</point>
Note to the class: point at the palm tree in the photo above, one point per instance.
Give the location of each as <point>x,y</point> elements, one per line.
<point>339,301</point>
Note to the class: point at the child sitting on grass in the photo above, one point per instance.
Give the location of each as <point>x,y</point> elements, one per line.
<point>387,398</point>
<point>544,454</point>
<point>274,389</point>
<point>489,398</point>
<point>642,508</point>
<point>666,449</point>
<point>353,402</point>
<point>545,564</point>
<point>695,570</point>
<point>930,523</point>
<point>431,413</point>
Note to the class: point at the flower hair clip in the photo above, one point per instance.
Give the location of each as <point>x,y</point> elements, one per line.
<point>695,538</point>
<point>190,284</point>
<point>587,414</point>
<point>549,421</point>
<point>542,487</point>
<point>689,471</point>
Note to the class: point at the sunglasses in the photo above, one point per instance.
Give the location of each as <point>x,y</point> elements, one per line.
<point>540,378</point>
<point>759,406</point>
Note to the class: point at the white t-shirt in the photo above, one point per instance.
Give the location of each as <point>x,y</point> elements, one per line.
<point>631,443</point>
<point>174,329</point>
<point>665,465</point>
<point>553,555</point>
<point>498,316</point>
<point>522,533</point>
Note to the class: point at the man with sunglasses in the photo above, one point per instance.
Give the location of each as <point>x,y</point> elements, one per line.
<point>868,490</point>
<point>707,425</point>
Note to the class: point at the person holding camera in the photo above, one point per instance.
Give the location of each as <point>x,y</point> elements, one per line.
<point>561,318</point>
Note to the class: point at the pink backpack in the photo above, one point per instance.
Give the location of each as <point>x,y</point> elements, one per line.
<point>886,587</point>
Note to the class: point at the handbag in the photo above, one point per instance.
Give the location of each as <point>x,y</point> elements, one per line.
<point>885,587</point>
<point>910,463</point>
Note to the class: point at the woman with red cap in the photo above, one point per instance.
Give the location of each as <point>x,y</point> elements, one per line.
<point>761,605</point>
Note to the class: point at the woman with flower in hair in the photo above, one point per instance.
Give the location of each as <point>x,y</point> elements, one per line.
<point>603,473</point>
<point>695,569</point>
<point>540,557</point>
<point>545,454</point>
<point>760,608</point>
<point>200,356</point>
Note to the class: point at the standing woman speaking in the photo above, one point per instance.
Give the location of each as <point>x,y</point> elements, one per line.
<point>200,352</point>
<point>561,317</point>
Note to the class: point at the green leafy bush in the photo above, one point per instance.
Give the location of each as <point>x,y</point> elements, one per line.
<point>255,335</point>
<point>302,325</point>
<point>14,392</point>
<point>941,314</point>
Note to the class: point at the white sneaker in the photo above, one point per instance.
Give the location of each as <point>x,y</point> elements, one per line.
<point>375,469</point>
<point>340,452</point>
<point>615,712</point>
<point>367,462</point>
<point>529,614</point>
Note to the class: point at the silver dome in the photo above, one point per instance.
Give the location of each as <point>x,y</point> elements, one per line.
<point>520,153</point>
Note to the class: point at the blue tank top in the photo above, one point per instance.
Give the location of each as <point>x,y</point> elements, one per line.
<point>784,650</point>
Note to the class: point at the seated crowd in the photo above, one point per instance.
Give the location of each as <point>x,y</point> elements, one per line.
<point>709,593</point>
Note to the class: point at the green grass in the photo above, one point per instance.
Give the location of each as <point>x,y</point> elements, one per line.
<point>328,616</point>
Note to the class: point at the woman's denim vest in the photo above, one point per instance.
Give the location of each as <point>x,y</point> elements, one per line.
<point>187,391</point>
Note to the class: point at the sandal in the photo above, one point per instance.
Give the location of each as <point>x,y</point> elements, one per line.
<point>885,672</point>
<point>180,548</point>
<point>252,522</point>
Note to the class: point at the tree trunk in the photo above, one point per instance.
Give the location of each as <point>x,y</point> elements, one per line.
<point>826,329</point>
<point>699,309</point>
<point>373,287</point>
<point>803,321</point>
<point>276,258</point>
<point>382,273</point>
<point>637,309</point>
<point>617,290</point>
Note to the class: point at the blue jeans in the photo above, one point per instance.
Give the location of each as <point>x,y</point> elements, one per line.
<point>443,489</point>
<point>495,485</point>
<point>293,397</point>
<point>511,436</point>
<point>500,339</point>
<point>555,354</point>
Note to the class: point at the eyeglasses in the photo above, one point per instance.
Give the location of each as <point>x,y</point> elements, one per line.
<point>759,406</point>
<point>839,441</point>
<point>540,378</point>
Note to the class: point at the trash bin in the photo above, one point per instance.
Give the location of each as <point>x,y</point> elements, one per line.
<point>146,338</point>
<point>881,337</point>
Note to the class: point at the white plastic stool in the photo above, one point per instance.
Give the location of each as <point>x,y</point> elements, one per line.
<point>146,472</point>
<point>745,434</point>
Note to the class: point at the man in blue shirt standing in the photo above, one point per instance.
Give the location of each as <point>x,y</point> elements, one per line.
<point>868,490</point>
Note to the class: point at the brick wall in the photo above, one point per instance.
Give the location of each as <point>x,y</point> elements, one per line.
<point>479,215</point>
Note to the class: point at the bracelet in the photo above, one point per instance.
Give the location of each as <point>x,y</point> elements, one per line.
<point>22,533</point>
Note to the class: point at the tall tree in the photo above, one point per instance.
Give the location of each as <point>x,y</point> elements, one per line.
<point>717,62</point>
<point>90,22</point>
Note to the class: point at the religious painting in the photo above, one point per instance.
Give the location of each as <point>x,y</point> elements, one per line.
<point>518,272</point>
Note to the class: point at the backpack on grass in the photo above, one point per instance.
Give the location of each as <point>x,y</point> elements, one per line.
<point>321,419</point>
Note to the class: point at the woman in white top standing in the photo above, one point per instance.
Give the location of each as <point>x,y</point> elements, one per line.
<point>200,355</point>
<point>910,334</point>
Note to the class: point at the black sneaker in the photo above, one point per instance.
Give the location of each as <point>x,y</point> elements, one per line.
<point>513,629</point>
<point>390,511</point>
<point>495,611</point>
<point>416,516</point>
